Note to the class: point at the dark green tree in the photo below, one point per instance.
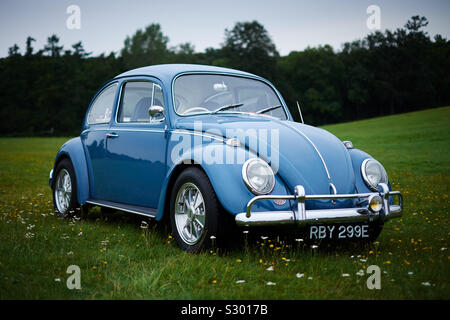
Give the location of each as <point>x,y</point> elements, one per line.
<point>52,47</point>
<point>315,75</point>
<point>146,47</point>
<point>29,46</point>
<point>249,47</point>
<point>78,50</point>
<point>48,92</point>
<point>14,50</point>
<point>184,53</point>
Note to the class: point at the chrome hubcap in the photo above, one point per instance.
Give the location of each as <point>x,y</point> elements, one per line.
<point>190,213</point>
<point>63,191</point>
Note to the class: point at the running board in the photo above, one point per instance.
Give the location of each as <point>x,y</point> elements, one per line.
<point>143,211</point>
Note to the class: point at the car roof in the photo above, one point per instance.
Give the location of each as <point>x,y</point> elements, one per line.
<point>169,71</point>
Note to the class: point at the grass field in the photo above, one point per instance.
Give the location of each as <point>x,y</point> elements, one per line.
<point>120,260</point>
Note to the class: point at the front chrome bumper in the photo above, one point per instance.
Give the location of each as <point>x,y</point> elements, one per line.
<point>302,217</point>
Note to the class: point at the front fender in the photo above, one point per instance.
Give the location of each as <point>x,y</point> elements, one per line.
<point>225,178</point>
<point>73,149</point>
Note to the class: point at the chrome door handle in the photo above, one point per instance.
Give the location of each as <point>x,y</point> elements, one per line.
<point>112,135</point>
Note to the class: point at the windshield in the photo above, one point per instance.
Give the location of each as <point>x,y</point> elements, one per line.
<point>210,93</point>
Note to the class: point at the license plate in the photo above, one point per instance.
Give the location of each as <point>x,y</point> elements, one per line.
<point>338,231</point>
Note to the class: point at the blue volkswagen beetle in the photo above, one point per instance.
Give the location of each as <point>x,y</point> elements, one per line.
<point>215,148</point>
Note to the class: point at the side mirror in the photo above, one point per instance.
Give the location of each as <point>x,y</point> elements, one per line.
<point>156,113</point>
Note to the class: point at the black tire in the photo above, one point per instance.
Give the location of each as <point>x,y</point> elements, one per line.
<point>216,220</point>
<point>374,231</point>
<point>73,206</point>
<point>106,211</point>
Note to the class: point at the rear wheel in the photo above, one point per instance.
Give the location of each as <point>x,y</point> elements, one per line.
<point>65,199</point>
<point>195,212</point>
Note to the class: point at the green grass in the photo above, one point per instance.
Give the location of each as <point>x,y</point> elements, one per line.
<point>120,260</point>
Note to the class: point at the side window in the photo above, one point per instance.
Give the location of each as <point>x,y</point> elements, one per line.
<point>137,98</point>
<point>102,107</point>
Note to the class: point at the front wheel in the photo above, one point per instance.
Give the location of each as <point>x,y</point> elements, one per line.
<point>195,212</point>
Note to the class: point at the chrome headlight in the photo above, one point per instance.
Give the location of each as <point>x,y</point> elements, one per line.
<point>373,173</point>
<point>258,176</point>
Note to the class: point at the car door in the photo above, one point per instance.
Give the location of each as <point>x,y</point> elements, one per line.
<point>94,140</point>
<point>136,146</point>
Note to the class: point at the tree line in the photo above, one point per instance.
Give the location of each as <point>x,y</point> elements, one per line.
<point>46,92</point>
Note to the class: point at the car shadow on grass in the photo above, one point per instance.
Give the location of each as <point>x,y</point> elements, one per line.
<point>253,240</point>
<point>117,217</point>
<point>288,240</point>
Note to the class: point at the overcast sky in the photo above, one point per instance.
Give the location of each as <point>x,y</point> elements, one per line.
<point>292,24</point>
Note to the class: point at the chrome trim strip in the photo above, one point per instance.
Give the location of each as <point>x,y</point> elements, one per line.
<point>179,131</point>
<point>333,187</point>
<point>119,101</point>
<point>124,129</point>
<point>100,204</point>
<point>138,130</point>
<point>197,133</point>
<point>314,146</point>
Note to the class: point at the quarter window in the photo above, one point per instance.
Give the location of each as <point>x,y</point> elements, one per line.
<point>137,98</point>
<point>102,107</point>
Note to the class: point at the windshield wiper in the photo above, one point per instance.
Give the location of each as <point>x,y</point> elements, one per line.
<point>269,109</point>
<point>226,107</point>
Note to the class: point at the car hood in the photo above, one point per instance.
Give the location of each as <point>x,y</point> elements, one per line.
<point>302,154</point>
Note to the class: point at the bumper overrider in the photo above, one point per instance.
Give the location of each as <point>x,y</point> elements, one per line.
<point>302,217</point>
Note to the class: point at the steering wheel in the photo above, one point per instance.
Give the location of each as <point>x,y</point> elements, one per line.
<point>196,109</point>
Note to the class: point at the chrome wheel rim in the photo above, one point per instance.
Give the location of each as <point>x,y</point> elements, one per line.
<point>63,191</point>
<point>190,213</point>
